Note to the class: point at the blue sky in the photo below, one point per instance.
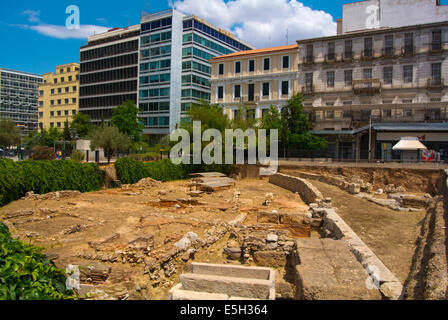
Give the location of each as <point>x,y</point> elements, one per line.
<point>32,40</point>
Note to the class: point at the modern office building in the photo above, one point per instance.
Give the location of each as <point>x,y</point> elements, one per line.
<point>58,96</point>
<point>256,79</point>
<point>175,69</point>
<point>381,77</point>
<point>19,98</point>
<point>109,72</point>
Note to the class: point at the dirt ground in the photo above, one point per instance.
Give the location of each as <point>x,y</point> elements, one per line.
<point>390,234</point>
<point>67,227</point>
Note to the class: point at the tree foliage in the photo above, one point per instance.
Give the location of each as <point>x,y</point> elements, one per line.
<point>293,125</point>
<point>125,119</point>
<point>27,274</point>
<point>110,140</point>
<point>43,153</point>
<point>81,123</point>
<point>9,134</point>
<point>44,138</point>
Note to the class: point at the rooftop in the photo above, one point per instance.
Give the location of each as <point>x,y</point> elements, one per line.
<point>257,52</point>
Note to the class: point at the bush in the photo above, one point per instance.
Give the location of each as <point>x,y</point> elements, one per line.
<point>130,171</point>
<point>148,156</point>
<point>27,274</point>
<point>78,156</point>
<point>43,153</point>
<point>18,178</point>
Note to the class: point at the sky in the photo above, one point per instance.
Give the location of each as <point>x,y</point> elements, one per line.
<point>35,38</point>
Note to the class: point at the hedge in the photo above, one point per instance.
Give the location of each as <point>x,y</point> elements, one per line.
<point>18,178</point>
<point>130,171</point>
<point>27,274</point>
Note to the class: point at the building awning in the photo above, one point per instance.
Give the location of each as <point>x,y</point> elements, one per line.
<point>409,144</point>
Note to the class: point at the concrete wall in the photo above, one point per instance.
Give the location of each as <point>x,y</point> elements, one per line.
<point>306,190</point>
<point>373,14</point>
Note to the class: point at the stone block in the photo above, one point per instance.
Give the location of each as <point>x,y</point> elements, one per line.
<point>270,258</point>
<point>268,217</point>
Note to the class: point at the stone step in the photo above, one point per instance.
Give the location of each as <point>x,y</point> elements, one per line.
<point>177,293</point>
<point>232,286</point>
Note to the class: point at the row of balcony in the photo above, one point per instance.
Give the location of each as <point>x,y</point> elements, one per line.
<point>372,86</point>
<point>370,54</point>
<point>366,115</point>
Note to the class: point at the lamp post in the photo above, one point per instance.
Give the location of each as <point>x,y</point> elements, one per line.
<point>370,138</point>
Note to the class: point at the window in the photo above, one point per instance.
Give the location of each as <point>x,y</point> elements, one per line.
<point>407,74</point>
<point>220,92</point>
<point>286,62</point>
<point>59,90</point>
<point>74,100</point>
<point>73,112</point>
<point>309,82</point>
<point>348,77</point>
<point>309,52</point>
<point>266,64</point>
<point>389,45</point>
<point>266,89</point>
<point>59,124</point>
<point>66,112</point>
<point>51,113</point>
<point>388,73</point>
<point>70,78</point>
<point>59,113</point>
<point>285,88</point>
<point>67,89</point>
<point>62,79</point>
<point>52,102</point>
<point>41,114</point>
<point>59,101</point>
<point>66,101</point>
<point>251,65</point>
<point>237,67</point>
<point>408,43</point>
<point>237,91</point>
<point>436,73</point>
<point>52,91</point>
<point>330,79</point>
<point>41,93</point>
<point>55,80</point>
<point>52,124</point>
<point>367,73</point>
<point>348,49</point>
<point>251,92</point>
<point>74,89</point>
<point>368,47</point>
<point>221,69</point>
<point>436,43</point>
<point>331,51</point>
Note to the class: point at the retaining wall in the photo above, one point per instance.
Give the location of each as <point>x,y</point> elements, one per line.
<point>307,191</point>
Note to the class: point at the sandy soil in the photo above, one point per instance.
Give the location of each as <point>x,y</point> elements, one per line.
<point>390,234</point>
<point>66,226</point>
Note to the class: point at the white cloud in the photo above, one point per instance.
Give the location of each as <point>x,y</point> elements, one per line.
<point>61,32</point>
<point>33,15</point>
<point>262,23</point>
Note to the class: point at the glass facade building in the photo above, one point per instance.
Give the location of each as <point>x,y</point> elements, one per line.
<point>175,69</point>
<point>19,95</point>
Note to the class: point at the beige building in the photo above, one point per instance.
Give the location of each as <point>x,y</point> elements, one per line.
<point>256,79</point>
<point>58,96</point>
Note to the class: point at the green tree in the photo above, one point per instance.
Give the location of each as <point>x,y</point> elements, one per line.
<point>293,125</point>
<point>81,123</point>
<point>66,132</point>
<point>44,138</point>
<point>125,119</point>
<point>110,140</point>
<point>9,134</point>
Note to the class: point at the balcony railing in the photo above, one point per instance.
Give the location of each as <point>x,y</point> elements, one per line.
<point>331,57</point>
<point>308,60</point>
<point>366,86</point>
<point>435,48</point>
<point>388,52</point>
<point>436,83</point>
<point>308,89</point>
<point>367,54</point>
<point>348,55</point>
<point>408,50</point>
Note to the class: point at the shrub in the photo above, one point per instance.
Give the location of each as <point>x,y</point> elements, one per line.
<point>17,178</point>
<point>27,274</point>
<point>131,171</point>
<point>78,156</point>
<point>43,153</point>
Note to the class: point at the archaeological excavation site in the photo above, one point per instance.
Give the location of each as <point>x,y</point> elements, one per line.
<point>309,232</point>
